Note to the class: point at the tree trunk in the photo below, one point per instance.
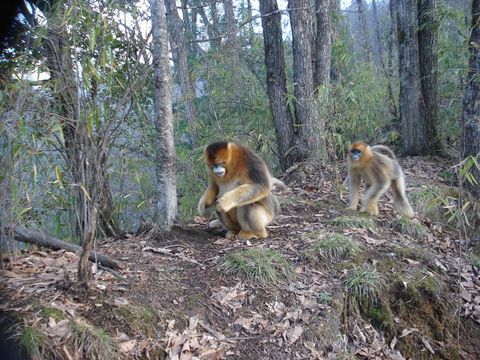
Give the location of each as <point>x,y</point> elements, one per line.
<point>427,47</point>
<point>178,43</point>
<point>311,135</point>
<point>231,25</point>
<point>163,118</point>
<point>276,81</point>
<point>471,101</point>
<point>61,69</point>
<point>335,14</point>
<point>364,30</point>
<point>392,40</point>
<point>387,74</point>
<point>323,43</point>
<point>412,108</point>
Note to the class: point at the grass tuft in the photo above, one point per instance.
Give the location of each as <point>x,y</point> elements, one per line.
<point>93,342</point>
<point>260,265</point>
<point>353,221</point>
<point>33,341</point>
<point>141,320</point>
<point>475,260</point>
<point>335,247</point>
<point>364,285</point>
<point>410,228</point>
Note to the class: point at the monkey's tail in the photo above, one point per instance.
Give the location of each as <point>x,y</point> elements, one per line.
<point>278,183</point>
<point>384,150</point>
<point>400,198</point>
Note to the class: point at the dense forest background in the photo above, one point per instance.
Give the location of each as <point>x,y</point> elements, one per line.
<point>86,66</point>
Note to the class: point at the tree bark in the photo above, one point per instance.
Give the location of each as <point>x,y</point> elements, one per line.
<point>427,52</point>
<point>61,69</point>
<point>470,140</point>
<point>392,40</point>
<point>163,119</point>
<point>37,238</point>
<point>178,44</point>
<point>364,30</point>
<point>323,43</point>
<point>411,104</point>
<point>311,139</point>
<point>276,82</point>
<point>387,74</point>
<point>231,25</point>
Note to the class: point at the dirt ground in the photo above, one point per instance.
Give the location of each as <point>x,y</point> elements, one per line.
<point>175,299</point>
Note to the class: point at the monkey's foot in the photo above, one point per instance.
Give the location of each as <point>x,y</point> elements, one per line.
<point>215,224</point>
<point>351,207</point>
<point>371,209</point>
<point>247,235</point>
<point>230,235</point>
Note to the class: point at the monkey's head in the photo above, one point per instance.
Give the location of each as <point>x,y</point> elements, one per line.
<point>357,150</point>
<point>218,157</point>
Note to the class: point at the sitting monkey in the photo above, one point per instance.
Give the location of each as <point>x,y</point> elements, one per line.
<point>240,187</point>
<point>378,167</point>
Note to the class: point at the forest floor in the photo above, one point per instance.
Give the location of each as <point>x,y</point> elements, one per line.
<point>398,290</point>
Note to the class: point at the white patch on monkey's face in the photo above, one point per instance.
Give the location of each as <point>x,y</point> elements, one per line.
<point>356,154</point>
<point>219,170</point>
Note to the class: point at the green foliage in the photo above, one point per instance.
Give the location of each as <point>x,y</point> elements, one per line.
<point>260,265</point>
<point>93,342</point>
<point>364,285</point>
<point>33,341</point>
<point>345,221</point>
<point>411,228</point>
<point>334,247</point>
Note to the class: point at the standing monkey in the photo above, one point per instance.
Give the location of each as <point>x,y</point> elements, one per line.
<point>240,188</point>
<point>379,168</point>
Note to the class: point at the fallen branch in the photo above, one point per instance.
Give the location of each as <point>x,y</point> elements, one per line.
<point>37,238</point>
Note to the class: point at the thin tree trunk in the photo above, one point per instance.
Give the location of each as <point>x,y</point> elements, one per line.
<point>323,43</point>
<point>178,43</point>
<point>471,101</point>
<point>276,81</point>
<point>163,118</point>
<point>427,47</point>
<point>59,63</point>
<point>231,25</point>
<point>335,14</point>
<point>311,135</point>
<point>364,30</point>
<point>392,40</point>
<point>387,74</point>
<point>412,108</point>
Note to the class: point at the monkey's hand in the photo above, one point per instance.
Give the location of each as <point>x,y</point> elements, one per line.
<point>206,201</point>
<point>241,196</point>
<point>224,204</point>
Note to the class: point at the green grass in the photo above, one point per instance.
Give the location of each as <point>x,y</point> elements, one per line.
<point>346,221</point>
<point>335,247</point>
<point>364,285</point>
<point>93,342</point>
<point>32,340</point>
<point>141,320</point>
<point>475,260</point>
<point>260,265</point>
<point>410,228</point>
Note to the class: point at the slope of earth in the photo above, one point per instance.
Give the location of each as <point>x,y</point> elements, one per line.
<point>348,286</point>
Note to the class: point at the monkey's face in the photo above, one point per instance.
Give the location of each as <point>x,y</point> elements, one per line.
<point>357,150</point>
<point>217,156</point>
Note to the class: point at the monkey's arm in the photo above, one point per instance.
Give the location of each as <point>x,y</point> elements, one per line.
<point>354,181</point>
<point>207,199</point>
<point>240,196</point>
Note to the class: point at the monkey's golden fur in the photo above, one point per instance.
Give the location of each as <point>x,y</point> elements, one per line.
<point>242,195</point>
<point>379,168</point>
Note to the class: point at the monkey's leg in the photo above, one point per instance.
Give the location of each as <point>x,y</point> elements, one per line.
<point>253,220</point>
<point>372,196</point>
<point>400,199</point>
<point>229,220</point>
<point>354,191</point>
